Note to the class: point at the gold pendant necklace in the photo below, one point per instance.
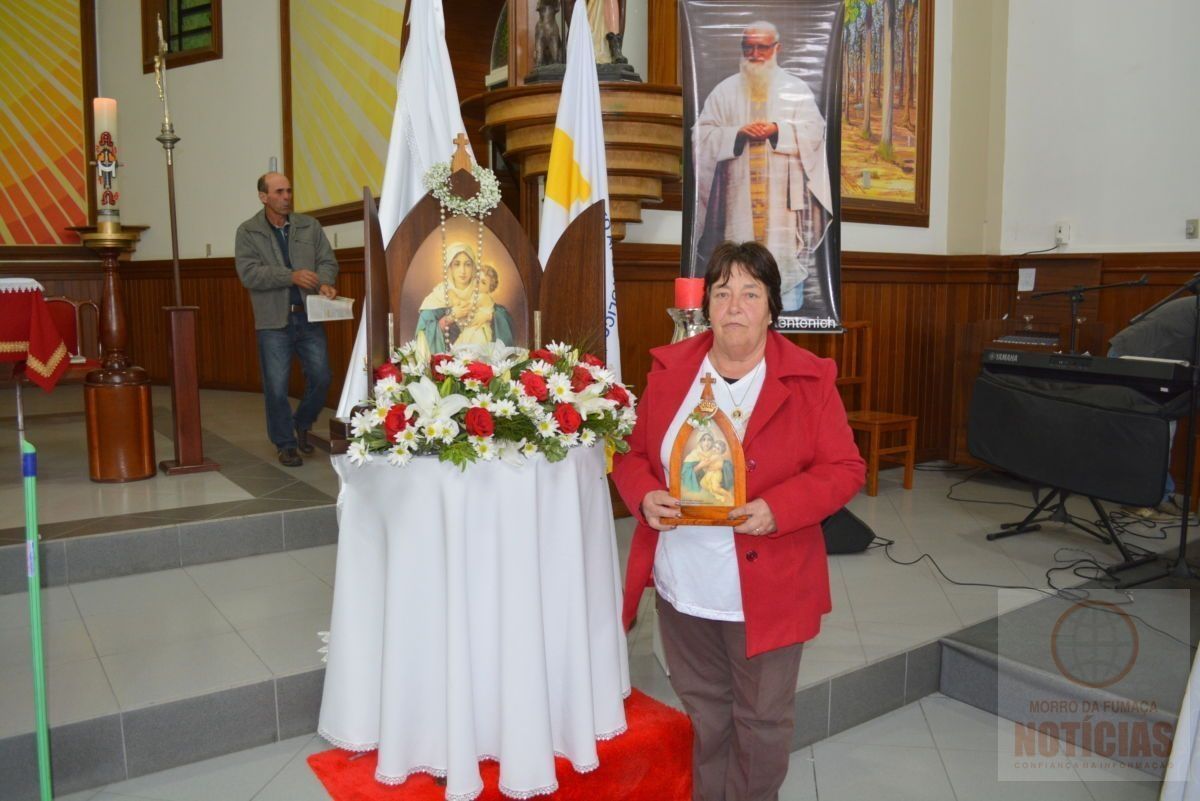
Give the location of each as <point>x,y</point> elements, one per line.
<point>737,416</point>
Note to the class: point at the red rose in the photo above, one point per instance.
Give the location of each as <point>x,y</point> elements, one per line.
<point>544,355</point>
<point>479,422</point>
<point>534,385</point>
<point>395,421</point>
<point>568,419</point>
<point>618,394</point>
<point>388,370</point>
<point>594,361</point>
<point>436,362</point>
<point>580,378</point>
<point>480,371</point>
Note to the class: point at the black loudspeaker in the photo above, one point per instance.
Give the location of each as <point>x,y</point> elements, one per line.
<point>1103,441</point>
<point>845,533</point>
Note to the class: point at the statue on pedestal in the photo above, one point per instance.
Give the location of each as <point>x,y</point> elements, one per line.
<point>605,18</point>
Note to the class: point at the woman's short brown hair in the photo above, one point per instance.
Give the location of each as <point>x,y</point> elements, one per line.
<point>758,263</point>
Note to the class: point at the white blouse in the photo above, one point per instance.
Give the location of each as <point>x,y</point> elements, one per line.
<point>695,567</point>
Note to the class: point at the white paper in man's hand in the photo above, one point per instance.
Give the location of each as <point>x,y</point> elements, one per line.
<point>321,309</point>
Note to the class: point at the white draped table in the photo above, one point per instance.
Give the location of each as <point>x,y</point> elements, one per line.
<point>476,615</point>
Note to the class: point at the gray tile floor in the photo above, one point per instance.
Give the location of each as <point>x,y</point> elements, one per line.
<point>934,749</point>
<point>121,643</point>
<point>70,505</point>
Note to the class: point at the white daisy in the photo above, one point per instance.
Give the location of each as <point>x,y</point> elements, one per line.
<point>408,438</point>
<point>455,367</point>
<point>530,450</point>
<point>540,367</point>
<point>560,388</point>
<point>358,453</point>
<point>485,447</point>
<point>530,406</point>
<point>399,456</point>
<point>483,400</point>
<point>474,385</point>
<point>504,408</point>
<point>558,348</point>
<point>569,440</point>
<point>587,438</point>
<point>547,426</point>
<point>363,422</point>
<point>386,386</point>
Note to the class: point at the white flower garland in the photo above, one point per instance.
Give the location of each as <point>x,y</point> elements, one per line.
<point>437,181</point>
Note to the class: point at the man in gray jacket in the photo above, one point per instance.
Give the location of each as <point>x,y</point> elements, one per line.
<point>281,258</point>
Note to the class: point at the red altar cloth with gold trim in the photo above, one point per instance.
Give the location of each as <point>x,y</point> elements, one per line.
<point>28,334</point>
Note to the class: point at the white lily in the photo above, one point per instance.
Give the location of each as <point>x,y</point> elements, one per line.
<point>592,401</point>
<point>430,403</point>
<point>511,453</point>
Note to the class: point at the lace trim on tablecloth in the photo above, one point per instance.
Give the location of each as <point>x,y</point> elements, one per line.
<point>440,773</point>
<point>346,745</point>
<point>547,790</point>
<point>20,285</point>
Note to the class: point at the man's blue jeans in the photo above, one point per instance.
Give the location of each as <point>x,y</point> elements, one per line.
<point>275,349</point>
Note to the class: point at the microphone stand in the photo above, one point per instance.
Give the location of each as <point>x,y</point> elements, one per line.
<point>1075,295</point>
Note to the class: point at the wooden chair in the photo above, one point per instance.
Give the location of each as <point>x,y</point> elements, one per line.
<point>853,353</point>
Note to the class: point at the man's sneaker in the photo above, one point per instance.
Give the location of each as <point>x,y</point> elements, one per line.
<point>302,441</point>
<point>289,458</point>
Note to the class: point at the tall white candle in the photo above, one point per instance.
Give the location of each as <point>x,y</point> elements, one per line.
<point>104,112</point>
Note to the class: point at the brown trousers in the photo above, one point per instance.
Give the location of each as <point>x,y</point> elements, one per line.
<point>742,710</point>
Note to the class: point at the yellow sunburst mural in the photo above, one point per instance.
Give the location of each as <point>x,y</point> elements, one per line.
<point>344,57</point>
<point>42,149</point>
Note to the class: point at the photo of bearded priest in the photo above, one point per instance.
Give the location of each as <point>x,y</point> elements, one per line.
<point>762,172</point>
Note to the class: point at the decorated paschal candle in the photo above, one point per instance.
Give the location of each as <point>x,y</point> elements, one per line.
<point>689,293</point>
<point>104,116</point>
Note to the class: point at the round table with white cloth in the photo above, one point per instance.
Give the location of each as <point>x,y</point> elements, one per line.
<point>476,615</point>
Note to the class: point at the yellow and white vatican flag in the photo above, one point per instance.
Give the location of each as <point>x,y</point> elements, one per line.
<point>426,121</point>
<point>578,172</point>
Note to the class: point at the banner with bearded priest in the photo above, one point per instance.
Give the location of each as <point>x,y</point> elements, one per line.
<point>760,81</point>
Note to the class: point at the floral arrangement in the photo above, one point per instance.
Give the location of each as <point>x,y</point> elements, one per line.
<point>437,181</point>
<point>479,403</point>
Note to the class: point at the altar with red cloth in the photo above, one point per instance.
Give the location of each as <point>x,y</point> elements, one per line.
<point>28,333</point>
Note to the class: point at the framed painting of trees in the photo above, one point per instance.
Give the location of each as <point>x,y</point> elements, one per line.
<point>887,72</point>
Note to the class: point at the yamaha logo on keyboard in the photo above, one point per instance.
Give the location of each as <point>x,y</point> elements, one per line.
<point>993,356</point>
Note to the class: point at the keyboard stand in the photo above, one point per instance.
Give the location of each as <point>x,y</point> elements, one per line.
<point>1059,514</point>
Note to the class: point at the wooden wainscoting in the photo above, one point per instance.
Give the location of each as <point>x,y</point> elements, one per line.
<point>227,353</point>
<point>916,304</point>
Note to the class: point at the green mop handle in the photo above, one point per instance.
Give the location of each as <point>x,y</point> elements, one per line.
<point>29,471</point>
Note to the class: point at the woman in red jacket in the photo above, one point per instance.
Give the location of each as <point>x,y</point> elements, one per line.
<point>736,603</point>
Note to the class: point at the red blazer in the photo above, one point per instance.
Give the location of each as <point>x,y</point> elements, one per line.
<point>800,458</point>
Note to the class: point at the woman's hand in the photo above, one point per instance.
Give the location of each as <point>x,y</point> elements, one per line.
<point>659,508</point>
<point>759,518</point>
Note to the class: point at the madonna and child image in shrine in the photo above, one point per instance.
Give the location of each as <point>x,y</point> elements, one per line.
<point>458,293</point>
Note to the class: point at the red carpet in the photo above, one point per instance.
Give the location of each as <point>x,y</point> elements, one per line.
<point>650,762</point>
